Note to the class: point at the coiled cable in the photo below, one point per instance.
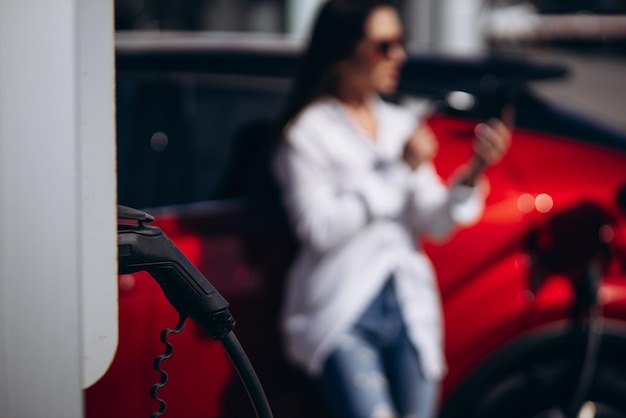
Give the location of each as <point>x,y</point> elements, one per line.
<point>157,365</point>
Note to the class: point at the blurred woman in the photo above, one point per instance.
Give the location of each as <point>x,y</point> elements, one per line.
<point>362,312</point>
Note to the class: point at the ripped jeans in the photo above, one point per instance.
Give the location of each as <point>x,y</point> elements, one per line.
<point>375,371</point>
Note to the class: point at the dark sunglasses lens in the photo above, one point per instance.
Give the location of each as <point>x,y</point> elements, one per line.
<point>384,47</point>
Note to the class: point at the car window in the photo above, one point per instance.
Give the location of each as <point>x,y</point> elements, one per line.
<point>179,133</point>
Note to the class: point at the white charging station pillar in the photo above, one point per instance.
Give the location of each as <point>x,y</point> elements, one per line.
<point>57,203</point>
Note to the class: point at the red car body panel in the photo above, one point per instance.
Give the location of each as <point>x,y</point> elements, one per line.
<point>483,270</point>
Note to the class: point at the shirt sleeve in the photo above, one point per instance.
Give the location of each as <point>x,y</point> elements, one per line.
<point>435,208</point>
<point>322,216</point>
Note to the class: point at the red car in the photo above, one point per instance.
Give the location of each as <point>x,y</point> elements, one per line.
<point>534,294</point>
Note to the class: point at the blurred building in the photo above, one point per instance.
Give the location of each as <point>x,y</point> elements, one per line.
<point>429,23</point>
<point>589,35</point>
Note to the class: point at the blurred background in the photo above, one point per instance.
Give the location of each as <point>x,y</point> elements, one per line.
<point>587,35</point>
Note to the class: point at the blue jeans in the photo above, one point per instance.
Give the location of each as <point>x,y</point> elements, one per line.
<point>375,371</point>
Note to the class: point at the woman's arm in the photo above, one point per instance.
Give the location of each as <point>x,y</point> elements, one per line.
<point>326,209</point>
<point>435,208</point>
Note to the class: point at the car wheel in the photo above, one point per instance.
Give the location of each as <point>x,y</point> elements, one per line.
<point>537,378</point>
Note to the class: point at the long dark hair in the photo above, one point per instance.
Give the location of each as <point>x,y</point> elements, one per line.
<point>339,26</point>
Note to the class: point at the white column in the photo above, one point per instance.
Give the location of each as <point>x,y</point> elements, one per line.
<point>97,186</point>
<point>459,26</point>
<point>51,181</point>
<point>419,23</point>
<point>300,16</point>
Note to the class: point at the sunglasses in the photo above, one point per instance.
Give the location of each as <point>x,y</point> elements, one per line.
<point>385,47</point>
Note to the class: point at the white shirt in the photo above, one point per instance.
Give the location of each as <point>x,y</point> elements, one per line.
<point>357,209</point>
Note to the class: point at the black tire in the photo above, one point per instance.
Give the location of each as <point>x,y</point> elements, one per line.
<point>536,377</point>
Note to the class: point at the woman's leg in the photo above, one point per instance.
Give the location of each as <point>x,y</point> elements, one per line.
<point>375,372</point>
<point>353,381</point>
<point>414,396</point>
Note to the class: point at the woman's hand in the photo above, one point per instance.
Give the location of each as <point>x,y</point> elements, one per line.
<point>490,146</point>
<point>492,141</point>
<point>422,146</point>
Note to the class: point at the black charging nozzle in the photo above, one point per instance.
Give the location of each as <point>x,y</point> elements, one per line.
<point>144,247</point>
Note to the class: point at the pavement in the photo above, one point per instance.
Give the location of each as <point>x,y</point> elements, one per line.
<point>596,84</point>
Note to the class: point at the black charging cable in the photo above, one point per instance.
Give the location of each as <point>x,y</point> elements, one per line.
<point>247,375</point>
<point>144,247</point>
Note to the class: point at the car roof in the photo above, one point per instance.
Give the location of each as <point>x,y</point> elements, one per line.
<point>277,56</point>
